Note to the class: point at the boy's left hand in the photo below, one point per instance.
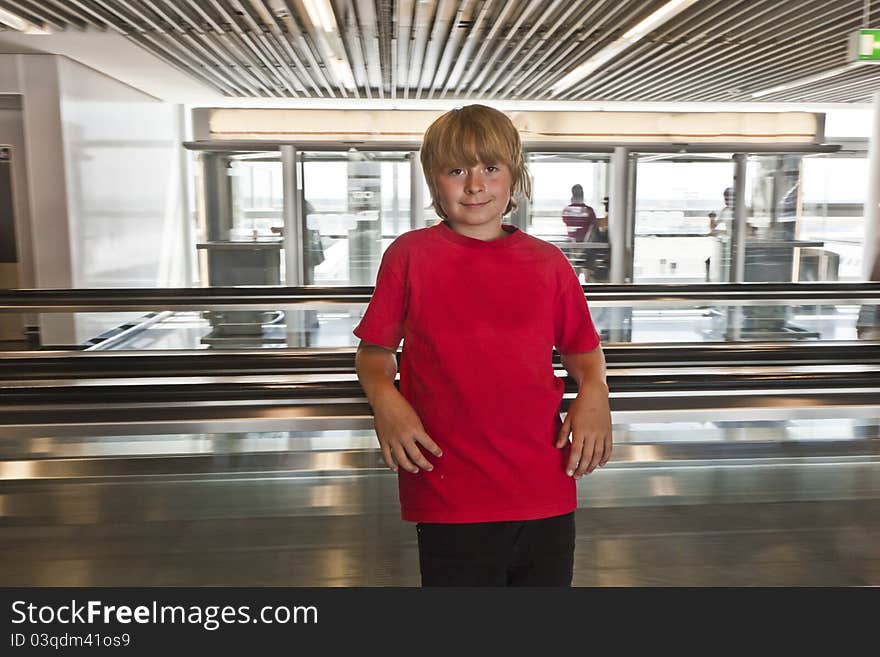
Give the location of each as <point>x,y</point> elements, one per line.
<point>589,422</point>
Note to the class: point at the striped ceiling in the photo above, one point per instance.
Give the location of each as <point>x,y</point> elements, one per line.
<point>712,50</point>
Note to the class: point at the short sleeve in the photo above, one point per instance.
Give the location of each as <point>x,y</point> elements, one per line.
<point>573,327</point>
<point>382,324</point>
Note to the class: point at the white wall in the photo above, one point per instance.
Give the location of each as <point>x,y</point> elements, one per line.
<point>123,156</point>
<point>105,183</point>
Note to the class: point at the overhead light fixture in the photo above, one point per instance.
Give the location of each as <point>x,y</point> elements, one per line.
<point>824,75</point>
<point>321,14</point>
<point>19,24</point>
<point>342,71</point>
<point>631,36</point>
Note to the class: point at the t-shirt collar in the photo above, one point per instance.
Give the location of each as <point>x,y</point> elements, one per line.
<point>514,234</point>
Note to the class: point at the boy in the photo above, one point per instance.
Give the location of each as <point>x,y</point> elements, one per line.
<point>485,467</point>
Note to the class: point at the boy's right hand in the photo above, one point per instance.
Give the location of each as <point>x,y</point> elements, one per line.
<point>400,432</point>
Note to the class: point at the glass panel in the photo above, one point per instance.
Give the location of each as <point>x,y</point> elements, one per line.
<point>331,325</point>
<point>773,199</point>
<point>833,211</point>
<point>356,204</point>
<point>240,240</point>
<point>569,208</point>
<point>683,216</point>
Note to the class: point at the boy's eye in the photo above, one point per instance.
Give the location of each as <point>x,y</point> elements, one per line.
<point>492,168</point>
<point>455,172</point>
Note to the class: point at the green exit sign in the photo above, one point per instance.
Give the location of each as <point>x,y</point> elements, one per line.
<point>864,46</point>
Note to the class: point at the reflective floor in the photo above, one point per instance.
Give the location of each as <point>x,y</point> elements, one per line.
<point>343,532</point>
<point>724,512</point>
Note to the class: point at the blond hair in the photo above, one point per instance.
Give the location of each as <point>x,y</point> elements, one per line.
<point>471,134</point>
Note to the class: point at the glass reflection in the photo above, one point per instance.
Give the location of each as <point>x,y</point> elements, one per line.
<point>331,326</point>
<point>683,219</point>
<point>569,208</point>
<point>356,204</point>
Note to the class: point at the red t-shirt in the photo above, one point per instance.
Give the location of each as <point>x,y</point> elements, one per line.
<point>479,322</point>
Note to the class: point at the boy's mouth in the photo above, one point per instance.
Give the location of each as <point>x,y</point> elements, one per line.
<point>475,205</point>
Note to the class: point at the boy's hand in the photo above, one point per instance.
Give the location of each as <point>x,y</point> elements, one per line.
<point>400,432</point>
<point>589,422</point>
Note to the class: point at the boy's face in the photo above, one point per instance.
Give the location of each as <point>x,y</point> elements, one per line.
<point>474,196</point>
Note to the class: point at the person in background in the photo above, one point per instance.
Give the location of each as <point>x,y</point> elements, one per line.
<point>579,217</point>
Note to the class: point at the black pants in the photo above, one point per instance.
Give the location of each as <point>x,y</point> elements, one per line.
<point>520,553</point>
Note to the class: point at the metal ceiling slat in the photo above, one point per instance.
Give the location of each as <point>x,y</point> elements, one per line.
<point>404,28</point>
<point>451,48</point>
<point>225,43</point>
<point>610,24</point>
<point>411,49</point>
<point>92,12</point>
<point>279,35</point>
<point>350,34</point>
<point>421,33</point>
<point>304,78</point>
<point>828,87</point>
<point>503,85</point>
<point>760,61</point>
<point>392,92</point>
<point>35,18</point>
<point>64,13</point>
<point>469,44</point>
<point>324,75</point>
<point>159,33</point>
<point>821,61</point>
<point>756,58</point>
<point>714,56</point>
<point>811,62</point>
<point>385,19</point>
<point>661,63</point>
<point>251,54</point>
<point>477,85</point>
<point>493,83</point>
<point>716,50</point>
<point>178,54</point>
<point>576,26</point>
<point>857,78</point>
<point>794,26</point>
<point>159,38</point>
<point>625,18</point>
<point>86,18</point>
<point>44,12</point>
<point>315,40</point>
<point>198,42</point>
<point>112,23</point>
<point>262,60</point>
<point>437,38</point>
<point>634,58</point>
<point>368,34</point>
<point>296,33</point>
<point>477,63</point>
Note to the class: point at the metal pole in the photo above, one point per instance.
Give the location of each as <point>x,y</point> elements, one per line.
<point>738,234</point>
<point>416,198</point>
<point>617,212</point>
<point>293,220</point>
<point>871,257</point>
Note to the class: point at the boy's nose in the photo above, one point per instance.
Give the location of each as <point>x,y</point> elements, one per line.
<point>474,183</point>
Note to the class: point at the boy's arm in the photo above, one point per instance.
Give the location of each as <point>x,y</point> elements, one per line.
<point>589,416</point>
<point>398,427</point>
<point>376,368</point>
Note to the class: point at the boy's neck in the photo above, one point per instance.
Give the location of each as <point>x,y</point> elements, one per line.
<point>485,232</point>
